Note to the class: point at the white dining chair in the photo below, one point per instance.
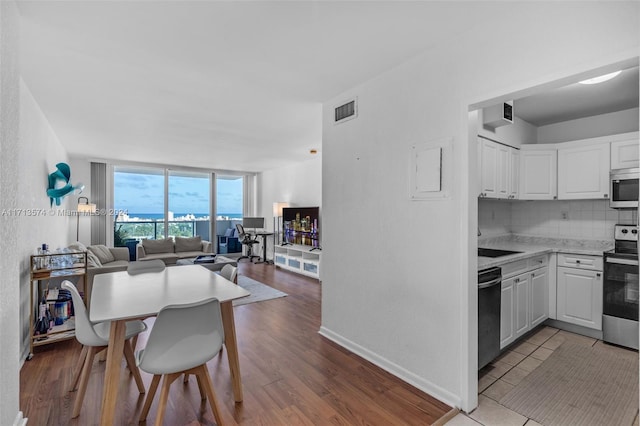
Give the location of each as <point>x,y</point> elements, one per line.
<point>182,340</point>
<point>94,338</point>
<point>230,272</point>
<point>145,266</point>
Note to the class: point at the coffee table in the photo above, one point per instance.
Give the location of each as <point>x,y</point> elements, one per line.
<point>212,266</point>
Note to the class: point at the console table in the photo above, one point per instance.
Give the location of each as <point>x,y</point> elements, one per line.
<point>300,259</point>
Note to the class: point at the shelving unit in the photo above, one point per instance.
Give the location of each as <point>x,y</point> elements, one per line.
<point>47,272</point>
<point>299,259</point>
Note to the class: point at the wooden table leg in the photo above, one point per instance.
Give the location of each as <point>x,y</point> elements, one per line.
<point>112,372</point>
<point>232,348</point>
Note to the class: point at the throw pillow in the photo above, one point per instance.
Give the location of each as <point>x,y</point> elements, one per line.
<point>77,246</point>
<point>188,244</point>
<point>229,232</point>
<point>92,260</point>
<point>102,252</point>
<point>158,246</point>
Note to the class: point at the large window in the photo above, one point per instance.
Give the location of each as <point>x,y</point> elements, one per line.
<point>139,195</point>
<point>159,203</point>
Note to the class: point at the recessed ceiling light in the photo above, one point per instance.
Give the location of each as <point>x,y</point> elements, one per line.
<point>602,78</point>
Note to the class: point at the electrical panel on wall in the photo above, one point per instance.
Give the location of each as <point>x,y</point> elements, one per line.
<point>430,170</point>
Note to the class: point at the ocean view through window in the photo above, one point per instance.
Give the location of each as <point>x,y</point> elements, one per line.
<point>140,195</point>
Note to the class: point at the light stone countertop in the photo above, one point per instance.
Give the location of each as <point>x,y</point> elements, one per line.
<point>533,246</point>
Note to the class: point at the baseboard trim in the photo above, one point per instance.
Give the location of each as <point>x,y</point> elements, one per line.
<point>398,371</point>
<point>20,420</point>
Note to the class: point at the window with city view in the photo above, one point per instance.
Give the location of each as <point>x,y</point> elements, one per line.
<point>139,196</point>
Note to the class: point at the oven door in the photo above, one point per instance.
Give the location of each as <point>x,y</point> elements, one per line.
<point>621,287</point>
<point>624,189</point>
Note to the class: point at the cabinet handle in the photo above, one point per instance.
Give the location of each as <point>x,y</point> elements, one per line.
<point>577,260</point>
<point>598,274</point>
<point>606,195</point>
<point>533,274</point>
<point>555,197</point>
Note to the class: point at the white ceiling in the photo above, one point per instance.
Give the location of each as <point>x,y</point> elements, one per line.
<point>580,100</point>
<point>225,85</point>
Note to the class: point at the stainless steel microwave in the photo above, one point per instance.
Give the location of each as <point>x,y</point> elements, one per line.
<point>624,188</point>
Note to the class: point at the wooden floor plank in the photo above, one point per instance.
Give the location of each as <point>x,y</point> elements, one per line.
<point>291,375</point>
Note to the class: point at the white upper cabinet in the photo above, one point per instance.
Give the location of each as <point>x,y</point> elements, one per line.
<point>514,174</point>
<point>496,170</point>
<point>538,174</point>
<point>488,169</point>
<point>624,154</point>
<point>583,172</point>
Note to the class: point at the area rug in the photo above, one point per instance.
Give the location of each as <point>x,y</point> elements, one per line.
<point>259,292</point>
<point>580,385</point>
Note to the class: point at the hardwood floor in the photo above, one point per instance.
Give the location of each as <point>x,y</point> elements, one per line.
<point>290,374</point>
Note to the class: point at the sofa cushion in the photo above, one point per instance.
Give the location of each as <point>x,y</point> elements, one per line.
<point>92,260</point>
<point>188,244</point>
<point>167,258</point>
<point>102,252</point>
<point>158,246</point>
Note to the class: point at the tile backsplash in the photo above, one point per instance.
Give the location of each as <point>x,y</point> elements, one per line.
<point>583,219</point>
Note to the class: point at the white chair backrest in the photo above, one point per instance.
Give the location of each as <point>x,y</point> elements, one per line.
<point>85,333</point>
<point>230,272</point>
<point>183,337</point>
<point>144,266</point>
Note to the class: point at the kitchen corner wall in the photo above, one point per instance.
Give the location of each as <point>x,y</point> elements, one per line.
<point>580,219</point>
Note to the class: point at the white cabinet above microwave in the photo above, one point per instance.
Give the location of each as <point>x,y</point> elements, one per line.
<point>625,154</point>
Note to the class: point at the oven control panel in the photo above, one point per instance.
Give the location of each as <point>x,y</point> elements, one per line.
<point>626,232</point>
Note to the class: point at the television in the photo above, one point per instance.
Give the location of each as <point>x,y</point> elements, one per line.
<point>301,225</point>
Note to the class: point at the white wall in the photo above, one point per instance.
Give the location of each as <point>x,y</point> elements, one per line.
<point>298,184</point>
<point>10,258</point>
<point>516,134</point>
<point>590,127</point>
<point>39,152</point>
<point>406,298</point>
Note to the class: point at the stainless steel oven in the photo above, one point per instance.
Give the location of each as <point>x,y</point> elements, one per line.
<point>624,188</point>
<point>620,289</point>
<point>489,297</point>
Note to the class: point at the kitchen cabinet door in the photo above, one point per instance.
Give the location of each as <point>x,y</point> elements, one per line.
<point>538,174</point>
<point>521,302</point>
<point>539,287</point>
<point>579,298</point>
<point>494,169</point>
<point>583,172</point>
<point>625,154</point>
<point>488,169</point>
<point>507,324</point>
<point>514,174</point>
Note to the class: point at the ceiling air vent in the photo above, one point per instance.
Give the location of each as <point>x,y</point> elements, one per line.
<point>346,111</point>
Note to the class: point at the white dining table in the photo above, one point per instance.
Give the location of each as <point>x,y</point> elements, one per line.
<point>118,297</point>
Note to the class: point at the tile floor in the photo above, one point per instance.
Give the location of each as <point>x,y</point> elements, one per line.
<point>498,378</point>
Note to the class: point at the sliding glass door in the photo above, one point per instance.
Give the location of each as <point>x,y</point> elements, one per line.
<point>189,204</point>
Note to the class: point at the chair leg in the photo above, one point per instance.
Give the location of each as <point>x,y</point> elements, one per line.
<point>76,373</point>
<point>84,379</point>
<point>203,393</point>
<point>164,396</point>
<point>134,342</point>
<point>131,362</point>
<point>186,378</point>
<point>147,402</point>
<point>208,385</point>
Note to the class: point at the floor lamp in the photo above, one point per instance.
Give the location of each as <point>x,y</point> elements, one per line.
<point>83,207</point>
<point>277,214</point>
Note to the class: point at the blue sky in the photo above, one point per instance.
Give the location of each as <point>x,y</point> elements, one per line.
<point>144,193</point>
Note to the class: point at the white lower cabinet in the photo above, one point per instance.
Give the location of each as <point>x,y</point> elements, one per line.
<point>298,259</point>
<point>579,297</point>
<point>524,299</point>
